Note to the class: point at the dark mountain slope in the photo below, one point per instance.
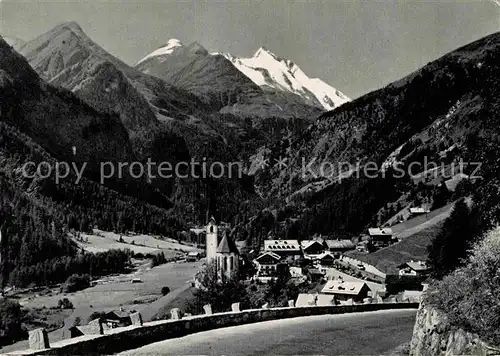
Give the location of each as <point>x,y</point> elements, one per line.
<point>56,118</point>
<point>40,123</point>
<point>66,57</point>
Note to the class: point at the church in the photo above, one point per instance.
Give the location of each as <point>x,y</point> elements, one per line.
<point>221,251</point>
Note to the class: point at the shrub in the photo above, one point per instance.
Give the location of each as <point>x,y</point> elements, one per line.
<point>165,290</point>
<point>470,296</point>
<point>158,259</point>
<point>65,303</point>
<point>75,283</point>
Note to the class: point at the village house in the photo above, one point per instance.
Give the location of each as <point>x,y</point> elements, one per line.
<point>81,330</point>
<point>312,248</point>
<point>286,249</point>
<point>414,268</point>
<point>306,300</point>
<point>363,246</point>
<point>418,211</point>
<point>323,300</point>
<point>345,290</point>
<point>117,318</point>
<point>267,264</point>
<point>326,259</point>
<point>380,236</point>
<point>314,274</point>
<point>339,246</point>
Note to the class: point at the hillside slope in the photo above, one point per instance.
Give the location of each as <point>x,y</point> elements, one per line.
<point>65,56</point>
<point>444,112</point>
<point>56,118</point>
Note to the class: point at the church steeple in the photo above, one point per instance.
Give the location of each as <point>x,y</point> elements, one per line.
<point>227,246</point>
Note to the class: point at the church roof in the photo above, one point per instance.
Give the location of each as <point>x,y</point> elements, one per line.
<point>226,245</point>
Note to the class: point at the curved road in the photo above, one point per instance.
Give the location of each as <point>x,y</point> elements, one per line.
<point>370,333</point>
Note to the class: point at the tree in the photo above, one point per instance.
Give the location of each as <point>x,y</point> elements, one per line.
<point>65,303</point>
<point>470,296</point>
<point>165,290</point>
<point>456,237</point>
<point>10,322</point>
<point>440,197</point>
<point>75,283</point>
<point>219,291</point>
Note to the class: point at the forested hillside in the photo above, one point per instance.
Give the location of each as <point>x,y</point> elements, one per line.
<point>444,112</point>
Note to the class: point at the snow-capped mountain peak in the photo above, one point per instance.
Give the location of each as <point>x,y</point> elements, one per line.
<point>266,69</point>
<point>168,48</point>
<point>263,51</point>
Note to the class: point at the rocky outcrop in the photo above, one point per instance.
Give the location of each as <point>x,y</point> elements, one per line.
<point>434,335</point>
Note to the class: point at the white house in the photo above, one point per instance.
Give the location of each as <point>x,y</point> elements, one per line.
<point>414,268</point>
<point>267,264</point>
<point>344,290</point>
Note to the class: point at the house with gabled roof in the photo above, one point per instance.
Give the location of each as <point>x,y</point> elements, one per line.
<point>414,268</point>
<point>312,248</point>
<point>380,236</point>
<point>267,264</point>
<point>326,259</point>
<point>344,290</point>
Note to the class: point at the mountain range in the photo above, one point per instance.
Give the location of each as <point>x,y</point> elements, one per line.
<point>193,67</point>
<point>182,102</point>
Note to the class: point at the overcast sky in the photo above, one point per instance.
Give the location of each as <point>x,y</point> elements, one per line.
<point>355,46</point>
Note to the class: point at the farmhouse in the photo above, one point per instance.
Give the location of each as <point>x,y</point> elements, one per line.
<point>267,264</point>
<point>91,328</point>
<point>117,318</point>
<point>289,249</point>
<point>344,290</point>
<point>312,247</point>
<point>326,259</point>
<point>380,237</point>
<point>414,268</point>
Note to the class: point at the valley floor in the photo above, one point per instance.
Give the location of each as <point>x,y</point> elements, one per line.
<point>117,291</point>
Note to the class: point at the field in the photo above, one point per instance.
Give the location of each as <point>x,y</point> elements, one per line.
<point>100,241</point>
<point>414,235</point>
<point>413,247</point>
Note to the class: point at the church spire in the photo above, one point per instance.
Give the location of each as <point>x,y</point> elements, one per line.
<point>227,245</point>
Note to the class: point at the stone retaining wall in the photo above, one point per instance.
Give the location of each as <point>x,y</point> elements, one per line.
<point>131,337</point>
